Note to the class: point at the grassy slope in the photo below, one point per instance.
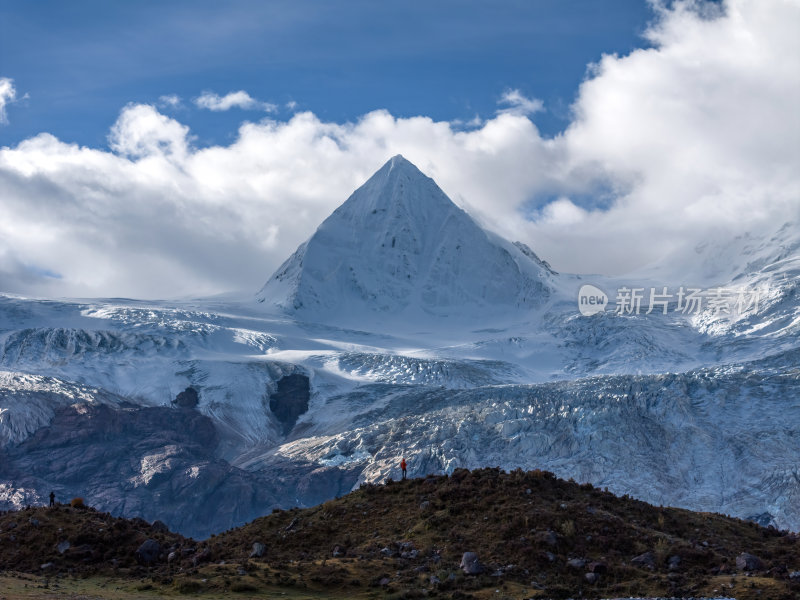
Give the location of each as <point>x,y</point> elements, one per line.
<point>523,526</point>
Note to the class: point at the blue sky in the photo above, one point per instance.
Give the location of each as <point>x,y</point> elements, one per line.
<point>80,63</point>
<point>611,136</point>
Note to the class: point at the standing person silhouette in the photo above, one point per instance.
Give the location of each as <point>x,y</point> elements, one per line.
<point>403,467</point>
<point>52,499</point>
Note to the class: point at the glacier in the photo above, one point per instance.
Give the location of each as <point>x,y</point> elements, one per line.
<point>420,335</point>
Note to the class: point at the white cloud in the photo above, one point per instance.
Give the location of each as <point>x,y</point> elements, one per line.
<point>142,131</point>
<point>170,101</point>
<point>693,137</point>
<point>561,213</point>
<point>7,95</point>
<point>240,99</point>
<point>519,104</point>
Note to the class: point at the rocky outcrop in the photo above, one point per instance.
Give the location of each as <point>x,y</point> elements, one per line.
<point>290,400</point>
<point>188,398</point>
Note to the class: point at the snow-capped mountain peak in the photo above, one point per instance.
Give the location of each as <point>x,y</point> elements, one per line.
<point>397,191</point>
<point>400,244</point>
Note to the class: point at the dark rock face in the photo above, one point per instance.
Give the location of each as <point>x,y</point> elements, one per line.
<point>158,463</point>
<point>154,462</point>
<point>188,398</point>
<point>290,400</point>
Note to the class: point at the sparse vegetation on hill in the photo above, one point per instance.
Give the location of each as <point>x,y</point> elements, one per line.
<point>531,534</point>
<point>75,539</point>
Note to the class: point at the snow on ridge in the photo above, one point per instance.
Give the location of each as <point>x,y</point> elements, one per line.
<point>459,373</point>
<point>28,402</point>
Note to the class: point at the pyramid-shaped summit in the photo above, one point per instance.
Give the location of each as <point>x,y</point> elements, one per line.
<point>400,245</point>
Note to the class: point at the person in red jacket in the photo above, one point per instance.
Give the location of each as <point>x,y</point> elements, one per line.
<point>403,466</point>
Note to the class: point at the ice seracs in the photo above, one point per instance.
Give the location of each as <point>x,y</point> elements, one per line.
<point>400,245</point>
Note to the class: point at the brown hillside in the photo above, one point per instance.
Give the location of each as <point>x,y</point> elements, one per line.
<point>534,535</point>
<point>89,540</point>
<point>525,528</point>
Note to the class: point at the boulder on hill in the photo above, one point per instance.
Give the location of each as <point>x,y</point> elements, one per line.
<point>470,564</point>
<point>148,552</point>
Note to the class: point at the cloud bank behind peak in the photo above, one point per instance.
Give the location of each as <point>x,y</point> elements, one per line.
<point>695,137</point>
